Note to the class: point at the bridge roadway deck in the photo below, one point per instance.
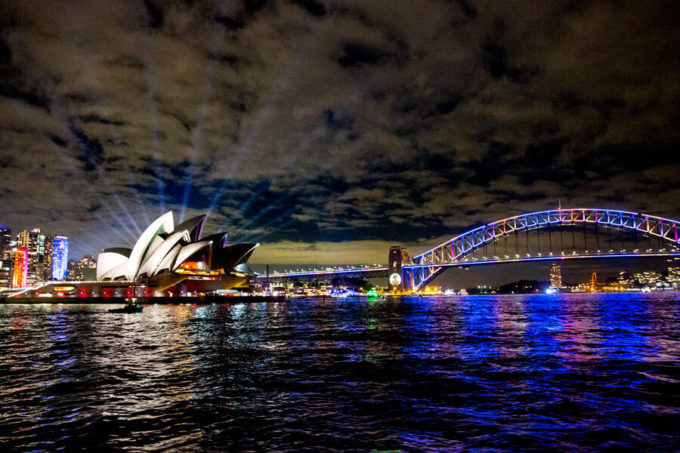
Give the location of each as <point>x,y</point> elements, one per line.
<point>370,272</point>
<point>376,272</point>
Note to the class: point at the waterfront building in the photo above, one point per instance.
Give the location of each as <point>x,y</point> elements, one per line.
<point>5,241</point>
<point>674,272</point>
<point>485,289</point>
<point>71,270</point>
<point>556,276</point>
<point>612,287</point>
<point>34,242</point>
<point>647,278</point>
<point>86,269</point>
<point>46,261</point>
<point>624,279</point>
<point>6,257</point>
<point>20,268</point>
<point>59,260</point>
<point>6,267</point>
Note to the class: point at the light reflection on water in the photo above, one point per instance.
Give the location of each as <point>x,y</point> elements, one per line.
<point>427,374</point>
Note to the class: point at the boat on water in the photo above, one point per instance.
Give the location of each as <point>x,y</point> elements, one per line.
<point>129,308</point>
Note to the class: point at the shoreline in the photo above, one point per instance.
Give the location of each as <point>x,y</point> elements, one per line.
<point>254,299</point>
<point>139,300</point>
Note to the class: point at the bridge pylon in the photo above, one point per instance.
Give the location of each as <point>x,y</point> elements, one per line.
<point>397,279</point>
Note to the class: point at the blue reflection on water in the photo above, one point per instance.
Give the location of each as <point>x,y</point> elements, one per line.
<point>425,374</point>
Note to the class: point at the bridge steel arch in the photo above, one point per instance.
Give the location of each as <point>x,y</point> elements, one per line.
<point>429,264</point>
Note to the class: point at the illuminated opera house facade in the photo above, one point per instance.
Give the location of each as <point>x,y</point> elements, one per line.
<point>167,260</point>
<point>167,255</point>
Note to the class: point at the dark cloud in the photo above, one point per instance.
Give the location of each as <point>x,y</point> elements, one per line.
<point>495,63</point>
<point>337,121</point>
<point>313,7</point>
<point>92,118</point>
<point>317,121</point>
<point>354,54</point>
<point>155,14</point>
<point>89,150</point>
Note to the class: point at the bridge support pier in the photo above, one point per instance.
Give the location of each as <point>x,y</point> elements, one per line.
<point>397,277</point>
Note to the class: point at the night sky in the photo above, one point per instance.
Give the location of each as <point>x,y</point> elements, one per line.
<point>330,130</point>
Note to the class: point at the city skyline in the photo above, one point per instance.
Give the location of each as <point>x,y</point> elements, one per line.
<point>31,257</point>
<point>466,277</point>
<point>332,129</point>
<point>473,275</point>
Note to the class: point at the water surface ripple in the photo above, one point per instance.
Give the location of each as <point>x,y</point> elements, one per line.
<point>563,372</point>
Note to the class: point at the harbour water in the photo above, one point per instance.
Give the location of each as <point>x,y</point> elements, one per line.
<point>514,373</point>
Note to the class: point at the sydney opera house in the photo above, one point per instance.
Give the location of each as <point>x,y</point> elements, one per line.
<point>167,260</point>
<point>167,255</point>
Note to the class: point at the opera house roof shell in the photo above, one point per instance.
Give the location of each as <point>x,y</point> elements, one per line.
<point>165,248</point>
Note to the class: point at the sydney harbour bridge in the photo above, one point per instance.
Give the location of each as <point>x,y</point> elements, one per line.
<point>582,233</point>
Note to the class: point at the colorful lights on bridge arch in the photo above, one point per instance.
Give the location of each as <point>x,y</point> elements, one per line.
<point>429,264</point>
<point>426,266</point>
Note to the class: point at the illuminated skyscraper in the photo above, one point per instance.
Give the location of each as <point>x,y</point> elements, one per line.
<point>5,241</point>
<point>20,271</point>
<point>556,276</point>
<point>59,258</point>
<point>34,242</point>
<point>46,260</point>
<point>6,257</point>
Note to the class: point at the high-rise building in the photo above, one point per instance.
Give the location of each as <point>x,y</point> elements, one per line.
<point>20,271</point>
<point>5,241</point>
<point>6,267</point>
<point>46,259</point>
<point>34,242</point>
<point>59,260</point>
<point>6,257</point>
<point>71,270</point>
<point>86,269</point>
<point>556,276</point>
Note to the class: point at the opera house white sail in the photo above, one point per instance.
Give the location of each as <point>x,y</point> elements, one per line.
<point>166,254</point>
